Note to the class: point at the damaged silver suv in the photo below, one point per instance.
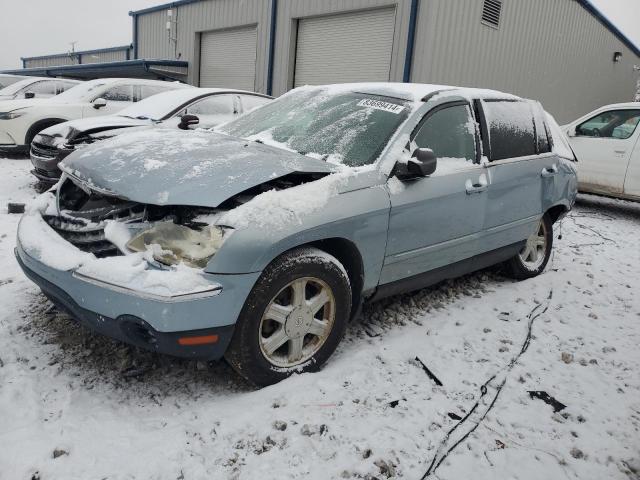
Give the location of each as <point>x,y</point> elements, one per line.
<point>259,241</point>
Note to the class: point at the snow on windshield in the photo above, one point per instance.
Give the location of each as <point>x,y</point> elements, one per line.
<point>343,127</point>
<point>81,92</point>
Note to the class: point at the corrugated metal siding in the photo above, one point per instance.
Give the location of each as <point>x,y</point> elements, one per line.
<point>195,18</point>
<point>51,61</point>
<point>348,47</point>
<point>289,11</point>
<point>103,57</point>
<point>550,50</point>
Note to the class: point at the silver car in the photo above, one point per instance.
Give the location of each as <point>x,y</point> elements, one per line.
<point>259,241</point>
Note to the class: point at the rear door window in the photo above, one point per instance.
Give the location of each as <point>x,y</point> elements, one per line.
<point>511,129</point>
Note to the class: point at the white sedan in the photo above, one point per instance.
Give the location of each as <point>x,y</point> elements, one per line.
<point>36,87</point>
<point>606,143</point>
<point>22,120</point>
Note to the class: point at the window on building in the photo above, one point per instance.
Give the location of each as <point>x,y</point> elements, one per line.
<point>511,129</point>
<point>450,133</point>
<point>618,124</point>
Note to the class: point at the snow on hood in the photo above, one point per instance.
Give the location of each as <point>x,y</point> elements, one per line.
<point>173,167</point>
<point>74,128</point>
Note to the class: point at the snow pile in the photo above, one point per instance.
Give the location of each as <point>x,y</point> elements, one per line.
<point>276,209</point>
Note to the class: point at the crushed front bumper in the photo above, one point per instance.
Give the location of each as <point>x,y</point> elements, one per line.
<point>165,325</point>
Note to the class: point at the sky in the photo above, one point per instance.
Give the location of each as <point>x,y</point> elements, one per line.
<point>53,24</point>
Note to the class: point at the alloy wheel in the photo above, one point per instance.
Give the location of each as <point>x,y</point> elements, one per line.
<point>533,253</point>
<point>297,322</point>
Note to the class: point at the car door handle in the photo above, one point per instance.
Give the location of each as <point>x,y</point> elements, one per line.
<point>620,152</point>
<point>549,171</point>
<point>471,187</point>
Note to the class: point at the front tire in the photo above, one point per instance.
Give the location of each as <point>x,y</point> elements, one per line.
<point>534,256</point>
<point>293,319</point>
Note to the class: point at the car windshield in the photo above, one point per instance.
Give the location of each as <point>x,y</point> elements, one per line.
<point>156,107</point>
<point>81,92</point>
<point>349,128</point>
<point>15,87</point>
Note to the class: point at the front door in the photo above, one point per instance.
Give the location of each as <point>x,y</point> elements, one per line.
<point>435,221</point>
<point>603,145</point>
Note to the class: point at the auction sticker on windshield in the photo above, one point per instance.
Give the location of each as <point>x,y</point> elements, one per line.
<point>378,105</point>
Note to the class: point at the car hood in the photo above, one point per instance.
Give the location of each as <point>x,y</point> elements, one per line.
<point>199,168</point>
<point>69,131</point>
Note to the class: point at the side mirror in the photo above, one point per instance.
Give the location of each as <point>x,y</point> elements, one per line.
<point>28,95</point>
<point>99,103</point>
<point>187,120</point>
<point>571,132</point>
<point>422,163</point>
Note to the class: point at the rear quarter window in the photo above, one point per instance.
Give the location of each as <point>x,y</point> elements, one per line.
<point>511,129</point>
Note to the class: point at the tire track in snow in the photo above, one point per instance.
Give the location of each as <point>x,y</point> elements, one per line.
<point>489,393</point>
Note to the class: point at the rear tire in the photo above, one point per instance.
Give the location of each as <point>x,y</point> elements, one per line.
<point>533,258</point>
<point>293,319</point>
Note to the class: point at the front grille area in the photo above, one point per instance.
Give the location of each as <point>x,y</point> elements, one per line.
<point>53,175</point>
<point>87,237</point>
<point>44,151</point>
<point>84,215</point>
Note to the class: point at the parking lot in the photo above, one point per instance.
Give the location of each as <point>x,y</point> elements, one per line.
<point>78,404</point>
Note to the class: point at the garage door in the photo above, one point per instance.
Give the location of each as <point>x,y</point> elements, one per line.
<point>353,47</point>
<point>228,58</point>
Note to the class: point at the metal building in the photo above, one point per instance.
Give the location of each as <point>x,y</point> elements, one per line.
<point>562,52</point>
<point>101,55</point>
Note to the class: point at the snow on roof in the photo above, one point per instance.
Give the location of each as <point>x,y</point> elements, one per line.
<point>411,91</point>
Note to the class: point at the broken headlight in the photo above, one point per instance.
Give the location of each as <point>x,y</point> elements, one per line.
<point>171,243</point>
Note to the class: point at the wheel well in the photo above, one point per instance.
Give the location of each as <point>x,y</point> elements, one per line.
<point>556,212</point>
<point>348,254</point>
<point>39,126</point>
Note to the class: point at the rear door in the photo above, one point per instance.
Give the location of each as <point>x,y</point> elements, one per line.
<point>435,221</point>
<point>603,145</point>
<point>521,169</point>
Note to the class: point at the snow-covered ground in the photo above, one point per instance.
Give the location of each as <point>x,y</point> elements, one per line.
<point>74,405</point>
